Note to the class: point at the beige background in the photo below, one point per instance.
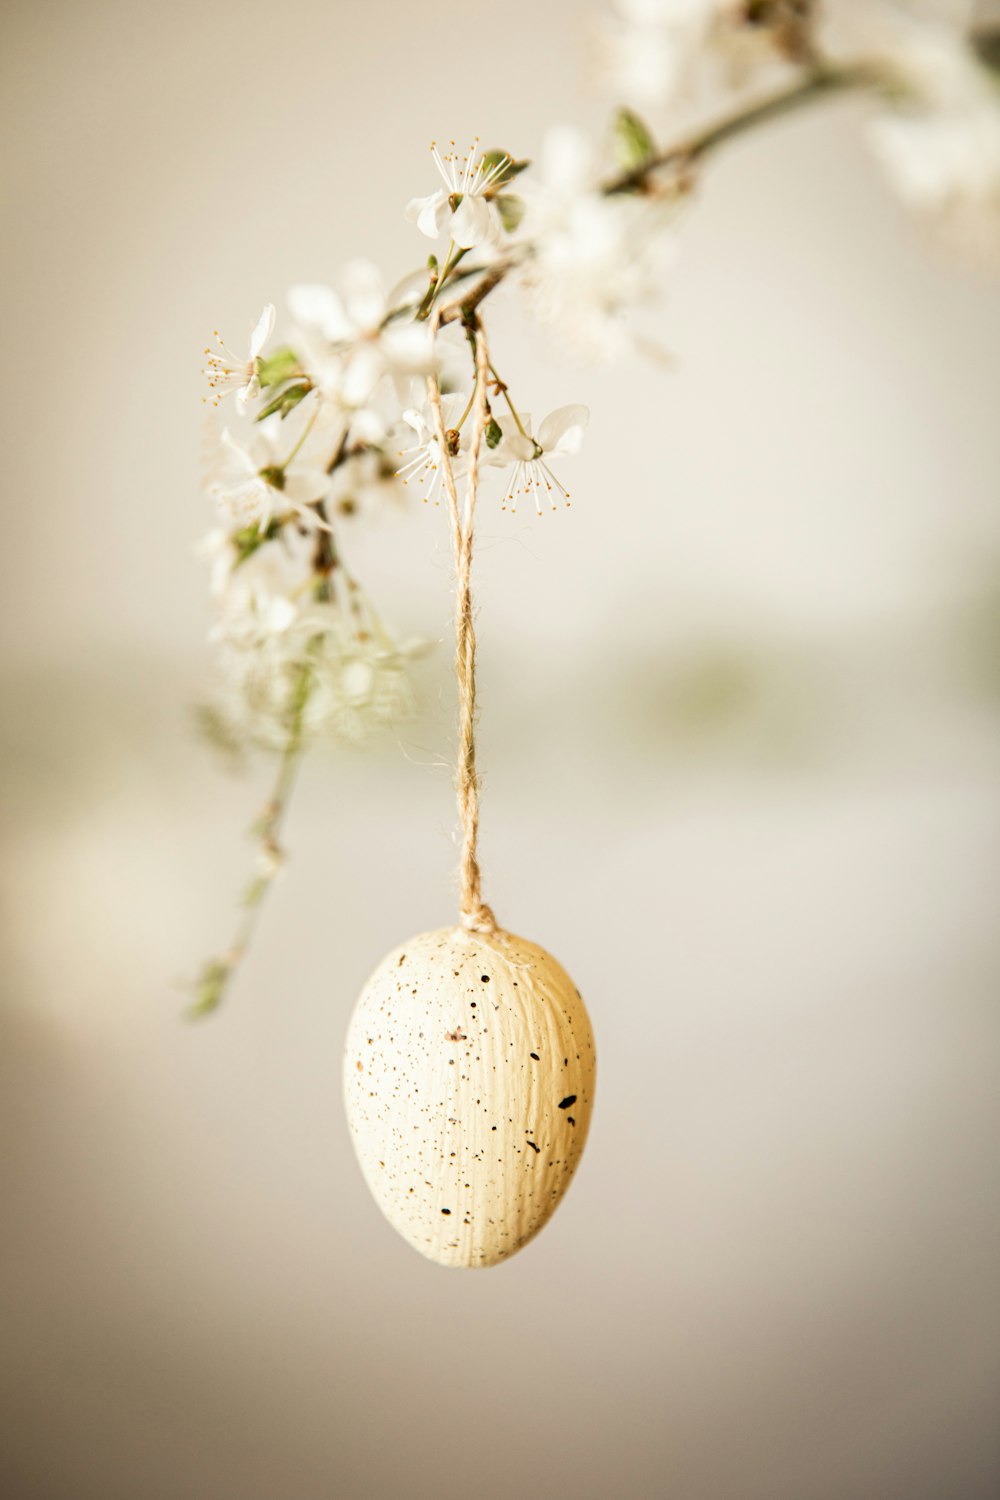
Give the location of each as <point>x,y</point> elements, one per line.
<point>740,721</point>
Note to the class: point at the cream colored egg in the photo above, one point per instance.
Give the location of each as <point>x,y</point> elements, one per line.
<point>469,1081</point>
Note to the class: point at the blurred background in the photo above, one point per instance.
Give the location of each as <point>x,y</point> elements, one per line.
<point>741,735</point>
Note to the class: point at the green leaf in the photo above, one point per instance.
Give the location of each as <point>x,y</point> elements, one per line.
<point>286,400</point>
<point>986,45</point>
<point>209,989</point>
<point>510,209</point>
<point>249,538</point>
<point>277,367</point>
<point>510,169</point>
<point>633,141</point>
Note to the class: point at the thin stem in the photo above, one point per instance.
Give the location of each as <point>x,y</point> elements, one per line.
<point>817,85</point>
<point>468,407</point>
<point>217,975</point>
<point>438,281</point>
<point>466,306</point>
<point>305,433</point>
<point>448,274</point>
<point>502,390</point>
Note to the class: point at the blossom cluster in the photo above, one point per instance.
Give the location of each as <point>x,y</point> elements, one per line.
<point>333,416</point>
<point>933,71</point>
<point>325,414</point>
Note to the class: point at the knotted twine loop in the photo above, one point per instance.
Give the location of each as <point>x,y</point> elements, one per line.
<point>476,916</point>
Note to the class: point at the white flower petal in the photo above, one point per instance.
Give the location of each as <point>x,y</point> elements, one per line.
<point>417,421</point>
<point>248,392</point>
<point>357,679</point>
<point>367,426</point>
<point>409,348</point>
<point>514,447</point>
<point>364,370</point>
<point>262,332</point>
<point>474,222</point>
<point>429,213</point>
<point>409,291</point>
<point>279,614</point>
<point>364,294</point>
<point>566,160</point>
<point>562,430</point>
<point>304,485</point>
<point>237,453</point>
<point>319,309</point>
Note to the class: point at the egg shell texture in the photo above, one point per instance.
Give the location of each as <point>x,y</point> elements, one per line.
<point>469,1079</point>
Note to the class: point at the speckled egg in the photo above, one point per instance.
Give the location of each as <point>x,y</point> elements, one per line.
<point>469,1081</point>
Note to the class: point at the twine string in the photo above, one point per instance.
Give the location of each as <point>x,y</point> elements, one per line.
<point>476,916</point>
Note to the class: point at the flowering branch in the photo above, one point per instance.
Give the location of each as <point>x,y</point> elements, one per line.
<point>335,421</point>
<point>815,86</point>
<point>217,973</point>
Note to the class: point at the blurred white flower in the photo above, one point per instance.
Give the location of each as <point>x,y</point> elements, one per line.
<point>252,480</point>
<point>256,591</point>
<point>271,628</point>
<point>362,681</point>
<point>349,342</point>
<point>594,257</point>
<point>565,171</point>
<point>462,208</point>
<point>655,52</point>
<point>559,434</point>
<point>216,548</point>
<point>228,372</point>
<point>940,141</point>
<point>647,45</point>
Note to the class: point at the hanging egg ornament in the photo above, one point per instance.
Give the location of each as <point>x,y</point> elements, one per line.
<point>470,1067</point>
<point>469,1082</point>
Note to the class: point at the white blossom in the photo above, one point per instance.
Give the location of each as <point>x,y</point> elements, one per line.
<point>939,142</point>
<point>226,371</point>
<point>362,680</point>
<point>286,649</point>
<point>594,257</point>
<point>349,342</point>
<point>660,52</point>
<point>252,479</point>
<point>559,434</point>
<point>462,208</point>
<point>422,460</point>
<point>647,46</point>
<point>257,595</point>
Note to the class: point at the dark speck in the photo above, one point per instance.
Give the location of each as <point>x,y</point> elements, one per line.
<point>533,1146</point>
<point>485,978</point>
<point>535,1056</point>
<point>571,1119</point>
<point>446,1210</point>
<point>565,1103</point>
